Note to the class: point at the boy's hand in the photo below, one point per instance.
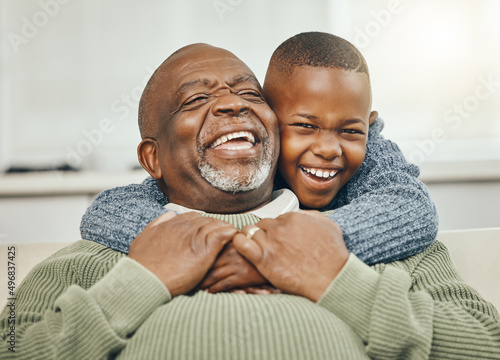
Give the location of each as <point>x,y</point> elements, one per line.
<point>180,250</point>
<point>299,253</point>
<point>232,271</point>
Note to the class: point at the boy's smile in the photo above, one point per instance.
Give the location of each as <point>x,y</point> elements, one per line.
<point>324,115</point>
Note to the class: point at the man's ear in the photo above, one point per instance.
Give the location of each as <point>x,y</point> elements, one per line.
<point>147,152</point>
<point>373,116</point>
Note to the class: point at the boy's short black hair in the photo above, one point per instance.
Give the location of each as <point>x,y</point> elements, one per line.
<point>317,49</point>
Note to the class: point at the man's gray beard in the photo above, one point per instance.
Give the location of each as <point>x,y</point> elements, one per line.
<point>235,181</point>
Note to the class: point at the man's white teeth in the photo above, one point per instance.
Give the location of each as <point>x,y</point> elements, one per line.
<point>241,147</point>
<point>245,135</point>
<point>321,173</point>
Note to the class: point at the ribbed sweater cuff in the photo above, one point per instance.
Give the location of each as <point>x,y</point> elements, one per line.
<point>351,295</point>
<point>128,294</point>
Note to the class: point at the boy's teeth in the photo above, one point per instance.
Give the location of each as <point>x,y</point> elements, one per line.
<point>244,135</point>
<point>325,174</point>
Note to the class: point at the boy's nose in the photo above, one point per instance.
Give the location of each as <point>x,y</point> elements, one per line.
<point>230,104</point>
<point>327,146</point>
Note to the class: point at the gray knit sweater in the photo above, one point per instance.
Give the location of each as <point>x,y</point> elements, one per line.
<point>384,211</point>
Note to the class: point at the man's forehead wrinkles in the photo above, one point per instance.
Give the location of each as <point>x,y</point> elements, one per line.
<point>186,86</point>
<point>211,83</point>
<point>244,78</point>
<point>198,64</point>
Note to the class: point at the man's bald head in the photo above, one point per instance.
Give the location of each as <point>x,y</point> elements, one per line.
<point>152,102</point>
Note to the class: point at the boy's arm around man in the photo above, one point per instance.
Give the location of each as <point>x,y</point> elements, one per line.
<point>384,211</point>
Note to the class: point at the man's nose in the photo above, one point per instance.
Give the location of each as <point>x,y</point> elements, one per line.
<point>230,104</point>
<point>327,146</point>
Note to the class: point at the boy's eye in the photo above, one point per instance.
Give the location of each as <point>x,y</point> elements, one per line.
<point>304,125</point>
<point>353,131</point>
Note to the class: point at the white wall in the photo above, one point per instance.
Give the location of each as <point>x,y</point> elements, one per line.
<point>435,69</point>
<point>74,70</point>
<point>467,205</point>
<point>42,219</point>
<point>66,67</point>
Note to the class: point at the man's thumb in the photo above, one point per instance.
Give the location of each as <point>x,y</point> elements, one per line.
<point>248,248</point>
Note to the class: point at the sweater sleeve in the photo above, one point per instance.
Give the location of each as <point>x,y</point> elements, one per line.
<point>384,211</point>
<point>118,215</point>
<point>425,312</point>
<point>55,319</point>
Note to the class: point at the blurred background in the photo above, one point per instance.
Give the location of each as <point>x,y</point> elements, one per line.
<point>72,73</point>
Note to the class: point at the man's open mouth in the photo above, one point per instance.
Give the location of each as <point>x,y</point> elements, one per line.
<point>319,174</point>
<point>238,140</point>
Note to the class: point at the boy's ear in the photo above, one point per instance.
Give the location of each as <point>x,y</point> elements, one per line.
<point>147,152</point>
<point>373,116</point>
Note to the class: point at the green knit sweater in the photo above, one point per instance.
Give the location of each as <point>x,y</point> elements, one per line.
<point>90,302</point>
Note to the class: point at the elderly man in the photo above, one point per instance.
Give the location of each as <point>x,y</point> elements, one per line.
<point>91,302</point>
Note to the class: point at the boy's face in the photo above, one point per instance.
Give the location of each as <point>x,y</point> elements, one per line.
<point>324,115</point>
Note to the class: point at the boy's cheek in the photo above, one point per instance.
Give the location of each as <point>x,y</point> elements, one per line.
<point>357,153</point>
<point>293,142</point>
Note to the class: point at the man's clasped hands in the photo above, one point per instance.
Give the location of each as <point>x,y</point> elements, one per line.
<point>213,255</point>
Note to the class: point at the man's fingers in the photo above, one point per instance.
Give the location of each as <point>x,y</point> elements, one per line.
<point>162,218</point>
<point>228,283</point>
<point>206,225</point>
<point>249,248</point>
<point>265,224</point>
<point>257,290</point>
<point>215,275</point>
<point>238,291</point>
<point>313,213</point>
<point>217,238</point>
<point>221,285</point>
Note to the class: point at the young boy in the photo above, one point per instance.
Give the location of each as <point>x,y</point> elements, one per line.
<point>318,85</point>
